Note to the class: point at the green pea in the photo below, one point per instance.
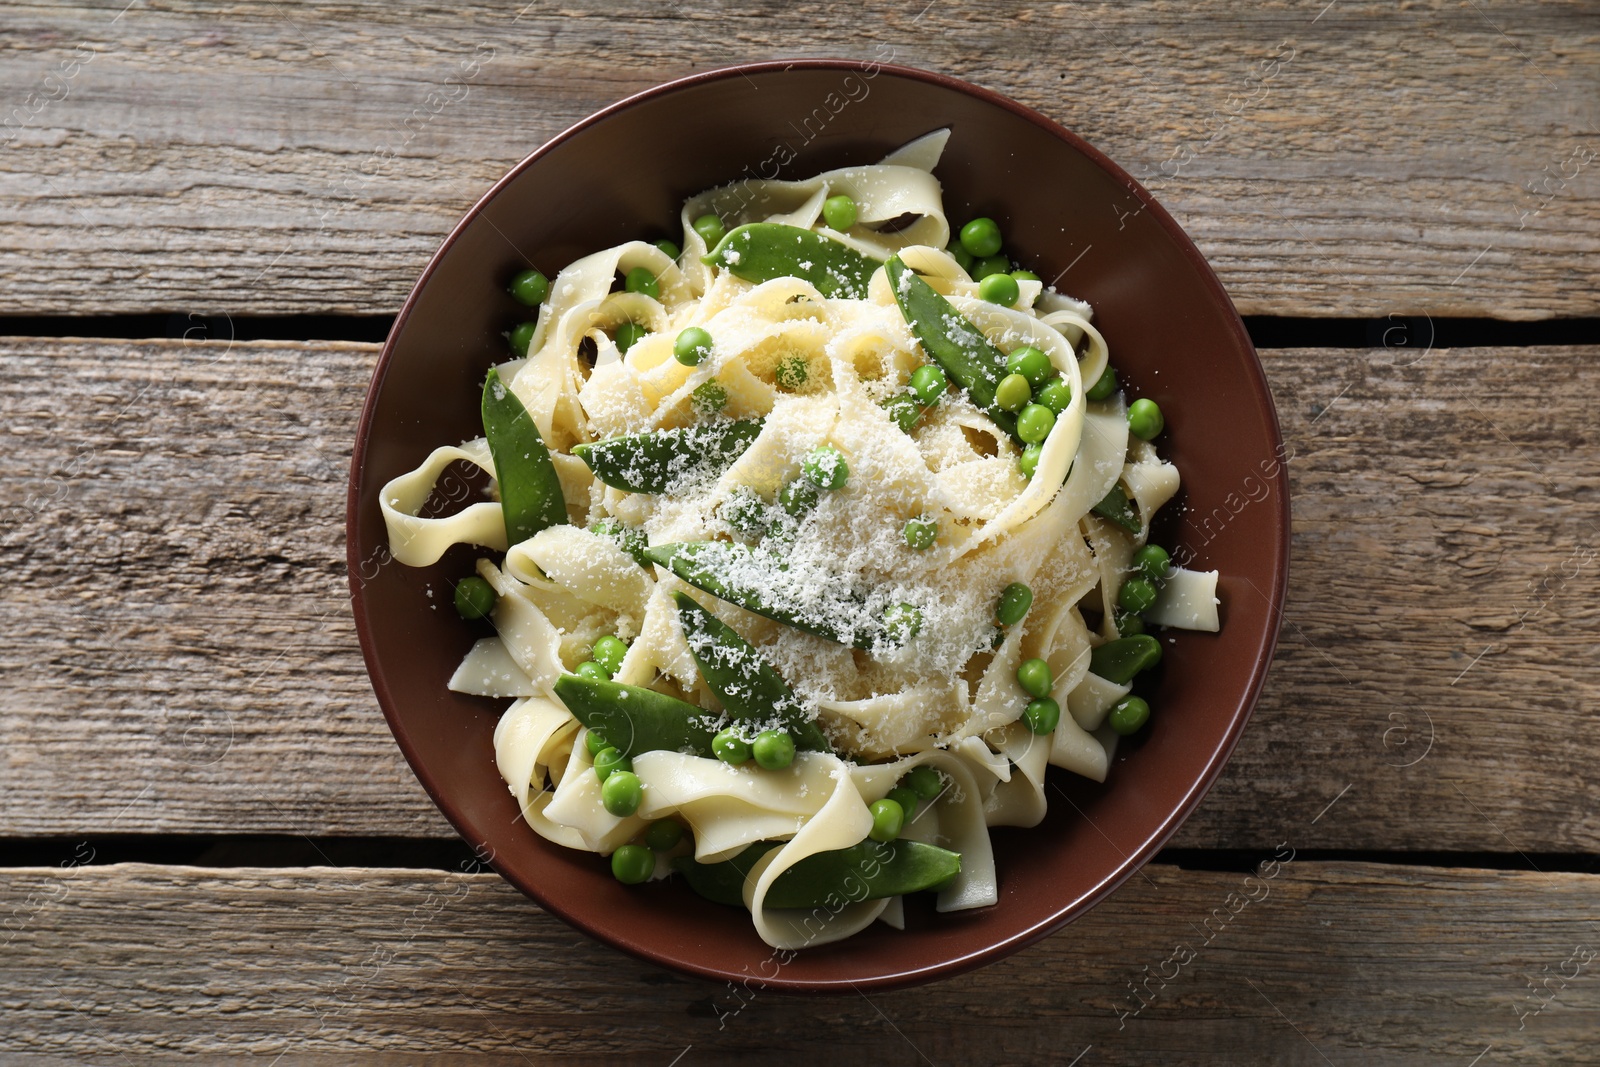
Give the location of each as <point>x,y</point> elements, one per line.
<point>1042,715</point>
<point>1144,419</point>
<point>999,289</point>
<point>792,373</point>
<point>663,835</point>
<point>621,793</point>
<point>920,534</point>
<point>632,864</point>
<point>923,781</point>
<point>590,669</point>
<point>628,334</point>
<point>826,468</point>
<point>608,761</point>
<point>1153,561</point>
<point>609,652</point>
<point>1032,364</point>
<point>745,511</point>
<point>709,397</point>
<point>928,384</point>
<point>839,212</point>
<point>1057,395</point>
<point>1034,423</point>
<point>475,598</point>
<point>521,337</point>
<point>773,749</point>
<point>798,497</point>
<point>1129,715</point>
<point>709,227</point>
<point>989,265</point>
<point>1128,624</point>
<point>1035,677</point>
<point>981,236</point>
<point>669,248</point>
<point>1104,386</point>
<point>730,748</point>
<point>692,347</point>
<point>961,255</point>
<point>887,818</point>
<point>1137,595</point>
<point>640,280</point>
<point>1015,600</point>
<point>529,287</point>
<point>1028,462</point>
<point>906,798</point>
<point>901,623</point>
<point>595,742</point>
<point>1013,393</point>
<point>904,411</point>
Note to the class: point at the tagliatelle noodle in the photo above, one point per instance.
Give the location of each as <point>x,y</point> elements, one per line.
<point>419,542</point>
<point>489,671</point>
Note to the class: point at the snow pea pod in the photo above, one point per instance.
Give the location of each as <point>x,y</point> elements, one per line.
<point>870,870</point>
<point>762,251</point>
<point>952,341</point>
<point>1119,509</point>
<point>530,491</point>
<point>745,683</point>
<point>751,578</point>
<point>636,720</point>
<point>1118,661</point>
<point>722,882</point>
<point>631,539</point>
<point>668,460</point>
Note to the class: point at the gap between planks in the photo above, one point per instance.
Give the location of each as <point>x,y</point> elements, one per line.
<point>1394,332</point>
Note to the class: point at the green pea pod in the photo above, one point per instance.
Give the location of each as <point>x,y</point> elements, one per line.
<point>952,342</point>
<point>631,539</point>
<point>637,720</point>
<point>762,251</point>
<point>668,460</point>
<point>1118,661</point>
<point>733,572</point>
<point>747,686</point>
<point>1119,509</point>
<point>530,491</point>
<point>722,882</point>
<point>870,870</point>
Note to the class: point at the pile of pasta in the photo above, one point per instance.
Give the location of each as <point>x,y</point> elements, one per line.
<point>948,698</point>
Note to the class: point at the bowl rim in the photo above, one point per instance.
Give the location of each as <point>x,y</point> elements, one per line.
<point>1133,861</point>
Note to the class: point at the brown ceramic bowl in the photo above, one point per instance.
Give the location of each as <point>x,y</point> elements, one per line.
<point>1065,209</point>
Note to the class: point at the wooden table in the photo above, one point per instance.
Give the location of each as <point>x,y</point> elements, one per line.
<point>212,845</point>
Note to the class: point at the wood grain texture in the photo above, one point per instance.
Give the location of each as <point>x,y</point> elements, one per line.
<point>180,655</point>
<point>269,158</point>
<point>308,966</point>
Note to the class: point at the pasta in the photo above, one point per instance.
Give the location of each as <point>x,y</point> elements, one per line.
<point>793,593</point>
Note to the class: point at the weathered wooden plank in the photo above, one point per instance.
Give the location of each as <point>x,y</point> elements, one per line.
<point>180,655</point>
<point>1437,654</point>
<point>1348,158</point>
<point>299,966</point>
